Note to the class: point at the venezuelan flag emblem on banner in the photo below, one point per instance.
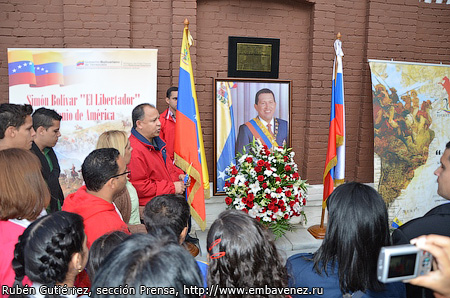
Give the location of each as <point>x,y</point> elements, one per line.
<point>21,68</point>
<point>335,162</point>
<point>189,149</point>
<point>36,70</point>
<point>226,139</point>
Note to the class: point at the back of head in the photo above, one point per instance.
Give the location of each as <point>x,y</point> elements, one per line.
<point>45,117</point>
<point>169,211</point>
<point>357,229</point>
<point>13,115</point>
<point>242,254</point>
<point>98,167</point>
<point>101,248</point>
<point>113,139</point>
<point>144,262</point>
<point>24,192</point>
<point>138,112</point>
<point>46,247</point>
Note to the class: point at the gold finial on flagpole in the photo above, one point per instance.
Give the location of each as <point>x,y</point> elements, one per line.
<point>186,23</point>
<point>338,36</point>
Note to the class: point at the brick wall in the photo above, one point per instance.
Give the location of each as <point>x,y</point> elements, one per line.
<point>403,30</point>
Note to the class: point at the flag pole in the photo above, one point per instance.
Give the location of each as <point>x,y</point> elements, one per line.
<point>318,231</point>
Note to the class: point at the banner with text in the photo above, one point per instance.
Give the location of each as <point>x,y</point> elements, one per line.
<point>411,117</point>
<point>94,90</point>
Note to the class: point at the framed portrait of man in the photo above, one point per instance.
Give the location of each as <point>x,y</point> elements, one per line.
<point>246,109</point>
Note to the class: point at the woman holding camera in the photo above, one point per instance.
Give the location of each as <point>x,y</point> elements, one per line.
<point>346,262</point>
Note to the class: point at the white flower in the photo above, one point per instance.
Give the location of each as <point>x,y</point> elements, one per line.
<point>268,173</point>
<point>266,218</point>
<point>253,172</point>
<point>254,187</point>
<point>240,179</point>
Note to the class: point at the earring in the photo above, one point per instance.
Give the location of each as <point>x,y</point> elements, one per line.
<point>79,270</point>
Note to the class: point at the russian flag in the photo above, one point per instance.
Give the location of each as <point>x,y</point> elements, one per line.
<point>21,68</point>
<point>334,172</point>
<point>189,151</point>
<point>226,135</point>
<point>49,69</point>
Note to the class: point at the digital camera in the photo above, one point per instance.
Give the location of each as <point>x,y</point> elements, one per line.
<point>402,262</point>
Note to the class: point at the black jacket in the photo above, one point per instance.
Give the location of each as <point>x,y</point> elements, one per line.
<point>52,178</point>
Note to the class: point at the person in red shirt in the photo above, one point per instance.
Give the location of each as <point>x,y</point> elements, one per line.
<point>152,172</point>
<point>104,172</point>
<point>168,120</point>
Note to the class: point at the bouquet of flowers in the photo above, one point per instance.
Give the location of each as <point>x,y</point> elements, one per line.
<point>267,186</point>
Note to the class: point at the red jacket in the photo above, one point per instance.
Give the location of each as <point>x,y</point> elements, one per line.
<point>152,174</point>
<point>99,216</point>
<point>167,133</point>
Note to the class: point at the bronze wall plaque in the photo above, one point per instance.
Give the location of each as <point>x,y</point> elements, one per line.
<point>253,57</point>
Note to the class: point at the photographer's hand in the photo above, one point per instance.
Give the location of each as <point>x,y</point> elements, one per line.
<point>437,280</point>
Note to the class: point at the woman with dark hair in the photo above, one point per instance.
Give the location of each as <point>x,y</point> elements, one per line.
<point>346,262</point>
<point>23,197</point>
<point>101,248</point>
<point>51,252</point>
<point>146,266</point>
<point>243,255</point>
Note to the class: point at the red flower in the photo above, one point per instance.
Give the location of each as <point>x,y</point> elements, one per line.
<point>265,147</point>
<point>250,197</point>
<point>279,190</point>
<point>250,204</point>
<point>304,201</point>
<point>287,168</point>
<point>288,193</point>
<point>234,171</point>
<point>227,184</point>
<point>275,209</point>
<point>246,183</point>
<point>258,219</point>
<point>286,216</point>
<point>264,185</point>
<point>245,210</point>
<point>280,203</point>
<point>277,179</point>
<point>283,208</point>
<point>295,175</point>
<point>268,196</point>
<point>267,152</point>
<point>249,159</point>
<point>267,164</point>
<point>244,200</point>
<point>260,178</point>
<point>270,206</point>
<point>291,203</point>
<point>286,158</point>
<point>258,169</point>
<point>228,200</point>
<point>260,163</point>
<point>232,179</point>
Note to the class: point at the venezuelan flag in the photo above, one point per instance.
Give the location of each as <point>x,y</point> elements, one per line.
<point>49,69</point>
<point>189,149</point>
<point>21,68</point>
<point>335,162</point>
<point>226,136</point>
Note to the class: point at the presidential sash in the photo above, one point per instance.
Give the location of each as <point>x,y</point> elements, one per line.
<point>260,131</point>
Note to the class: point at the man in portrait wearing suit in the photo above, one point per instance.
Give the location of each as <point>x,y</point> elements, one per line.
<point>271,131</point>
<point>435,221</point>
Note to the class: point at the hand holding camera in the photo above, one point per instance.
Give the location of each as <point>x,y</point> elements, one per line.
<point>437,280</point>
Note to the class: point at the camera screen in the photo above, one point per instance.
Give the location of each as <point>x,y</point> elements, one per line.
<point>402,265</point>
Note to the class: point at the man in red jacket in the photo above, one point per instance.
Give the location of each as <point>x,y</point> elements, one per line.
<point>168,120</point>
<point>105,174</point>
<point>152,171</point>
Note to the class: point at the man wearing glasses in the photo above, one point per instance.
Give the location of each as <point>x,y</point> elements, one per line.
<point>104,172</point>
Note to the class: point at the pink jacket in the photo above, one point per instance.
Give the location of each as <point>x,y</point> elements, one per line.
<point>9,236</point>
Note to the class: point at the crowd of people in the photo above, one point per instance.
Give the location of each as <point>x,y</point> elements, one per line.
<point>125,232</point>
